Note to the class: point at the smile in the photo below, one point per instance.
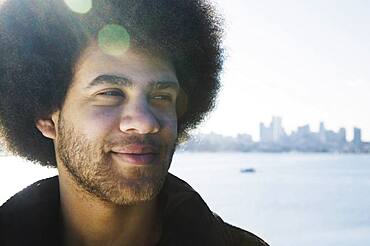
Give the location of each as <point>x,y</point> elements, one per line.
<point>136,154</point>
<point>137,159</point>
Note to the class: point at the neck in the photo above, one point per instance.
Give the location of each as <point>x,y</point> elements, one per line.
<point>91,221</point>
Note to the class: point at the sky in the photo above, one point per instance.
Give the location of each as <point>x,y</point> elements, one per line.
<point>306,61</point>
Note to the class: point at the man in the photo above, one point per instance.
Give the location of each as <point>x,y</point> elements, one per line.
<point>103,91</point>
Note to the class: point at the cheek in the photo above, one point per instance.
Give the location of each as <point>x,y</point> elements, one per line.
<point>99,122</point>
<point>169,126</point>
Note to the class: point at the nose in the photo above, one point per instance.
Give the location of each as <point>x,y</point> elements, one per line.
<point>138,118</point>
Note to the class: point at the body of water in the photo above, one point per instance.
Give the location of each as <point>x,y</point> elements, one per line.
<point>290,199</point>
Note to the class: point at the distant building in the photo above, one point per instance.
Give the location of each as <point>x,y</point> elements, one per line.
<point>265,134</point>
<point>322,133</point>
<point>342,135</point>
<point>304,131</point>
<point>244,138</point>
<point>277,129</point>
<point>274,133</point>
<point>357,136</point>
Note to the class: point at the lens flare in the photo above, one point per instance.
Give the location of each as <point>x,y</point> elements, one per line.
<point>114,40</point>
<point>79,6</point>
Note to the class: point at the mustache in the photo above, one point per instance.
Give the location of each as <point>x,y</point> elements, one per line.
<point>134,140</point>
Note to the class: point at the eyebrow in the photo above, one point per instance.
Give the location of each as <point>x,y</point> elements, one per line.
<point>162,85</point>
<point>123,81</point>
<point>110,79</point>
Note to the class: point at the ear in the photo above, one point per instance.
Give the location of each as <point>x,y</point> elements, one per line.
<point>46,127</point>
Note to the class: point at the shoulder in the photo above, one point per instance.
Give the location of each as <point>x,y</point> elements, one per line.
<point>37,193</point>
<point>189,214</point>
<point>242,237</point>
<point>31,212</point>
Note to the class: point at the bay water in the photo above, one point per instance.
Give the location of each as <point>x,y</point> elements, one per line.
<point>287,199</point>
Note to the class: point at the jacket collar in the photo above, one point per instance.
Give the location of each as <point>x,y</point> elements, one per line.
<point>35,213</point>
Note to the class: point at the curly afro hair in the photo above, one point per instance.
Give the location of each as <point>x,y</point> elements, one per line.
<point>41,40</point>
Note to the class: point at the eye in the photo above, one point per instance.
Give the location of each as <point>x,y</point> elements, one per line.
<point>163,97</point>
<point>109,97</point>
<point>111,93</point>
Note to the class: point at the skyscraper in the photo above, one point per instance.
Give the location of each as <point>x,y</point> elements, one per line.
<point>357,136</point>
<point>322,133</point>
<point>277,129</point>
<point>342,135</point>
<point>274,133</point>
<point>265,133</point>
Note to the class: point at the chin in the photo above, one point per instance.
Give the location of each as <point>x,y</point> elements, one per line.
<point>135,192</point>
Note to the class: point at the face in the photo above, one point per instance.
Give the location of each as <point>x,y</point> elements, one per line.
<point>117,129</point>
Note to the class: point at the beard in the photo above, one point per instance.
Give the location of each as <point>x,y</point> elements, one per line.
<point>93,169</point>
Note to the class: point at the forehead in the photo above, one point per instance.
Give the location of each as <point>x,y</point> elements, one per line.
<point>140,67</point>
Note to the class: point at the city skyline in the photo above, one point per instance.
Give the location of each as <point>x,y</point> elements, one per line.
<point>278,130</point>
<point>306,61</point>
<point>275,132</point>
<point>274,138</point>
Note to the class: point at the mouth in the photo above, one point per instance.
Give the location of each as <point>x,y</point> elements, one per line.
<point>136,154</point>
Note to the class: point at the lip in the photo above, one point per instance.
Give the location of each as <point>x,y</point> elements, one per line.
<point>136,154</point>
<point>136,149</point>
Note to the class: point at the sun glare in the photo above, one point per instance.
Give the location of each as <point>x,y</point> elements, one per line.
<point>114,39</point>
<point>79,6</point>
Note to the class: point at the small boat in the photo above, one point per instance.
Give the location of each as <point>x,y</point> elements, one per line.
<point>248,170</point>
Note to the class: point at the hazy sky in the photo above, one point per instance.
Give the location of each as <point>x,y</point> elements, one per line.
<point>306,61</point>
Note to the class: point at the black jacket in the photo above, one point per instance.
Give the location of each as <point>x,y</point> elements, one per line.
<point>32,217</point>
